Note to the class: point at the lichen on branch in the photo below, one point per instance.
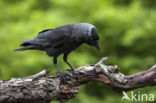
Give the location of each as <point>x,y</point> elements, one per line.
<point>40,88</point>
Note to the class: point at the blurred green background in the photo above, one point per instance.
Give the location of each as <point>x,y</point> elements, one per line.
<point>127,31</point>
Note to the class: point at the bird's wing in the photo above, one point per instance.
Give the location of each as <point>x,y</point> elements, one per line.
<point>54,37</point>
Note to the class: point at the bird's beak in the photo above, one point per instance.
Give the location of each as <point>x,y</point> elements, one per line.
<point>96,44</point>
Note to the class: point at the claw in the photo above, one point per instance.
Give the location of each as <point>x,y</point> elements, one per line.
<point>72,69</point>
<point>61,75</point>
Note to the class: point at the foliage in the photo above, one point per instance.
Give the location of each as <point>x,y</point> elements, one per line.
<point>127,36</point>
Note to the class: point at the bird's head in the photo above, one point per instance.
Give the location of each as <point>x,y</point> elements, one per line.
<point>93,38</point>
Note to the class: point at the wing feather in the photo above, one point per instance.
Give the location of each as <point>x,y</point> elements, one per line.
<point>55,37</point>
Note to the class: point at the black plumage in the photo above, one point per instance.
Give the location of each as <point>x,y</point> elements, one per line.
<point>63,39</point>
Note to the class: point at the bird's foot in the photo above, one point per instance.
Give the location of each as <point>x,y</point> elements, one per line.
<point>61,76</point>
<point>72,70</point>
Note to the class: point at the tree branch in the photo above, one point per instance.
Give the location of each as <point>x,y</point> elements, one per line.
<point>40,88</point>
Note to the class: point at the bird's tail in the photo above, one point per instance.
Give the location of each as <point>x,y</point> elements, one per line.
<point>30,44</point>
<point>20,49</point>
<point>29,47</point>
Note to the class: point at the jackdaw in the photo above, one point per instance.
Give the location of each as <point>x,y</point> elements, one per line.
<point>63,39</point>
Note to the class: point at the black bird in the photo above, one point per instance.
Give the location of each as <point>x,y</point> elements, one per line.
<point>63,39</point>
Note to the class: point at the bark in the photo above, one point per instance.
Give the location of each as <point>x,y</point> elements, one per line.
<point>40,88</point>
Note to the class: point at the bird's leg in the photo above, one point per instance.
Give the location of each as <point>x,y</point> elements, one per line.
<point>65,60</point>
<point>55,62</point>
<point>60,74</point>
<point>72,69</point>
